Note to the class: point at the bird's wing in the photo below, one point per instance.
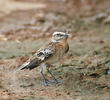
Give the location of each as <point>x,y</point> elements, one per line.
<point>40,56</point>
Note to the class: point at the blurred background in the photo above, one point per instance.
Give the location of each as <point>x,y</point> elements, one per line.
<point>25,25</point>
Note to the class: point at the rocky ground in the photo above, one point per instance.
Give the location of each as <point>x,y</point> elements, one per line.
<point>26,24</point>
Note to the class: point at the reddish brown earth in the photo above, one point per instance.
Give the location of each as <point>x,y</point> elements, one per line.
<point>25,25</point>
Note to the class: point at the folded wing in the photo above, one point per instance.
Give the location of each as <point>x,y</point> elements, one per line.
<point>40,56</point>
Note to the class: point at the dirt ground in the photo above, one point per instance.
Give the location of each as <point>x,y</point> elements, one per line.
<point>25,25</point>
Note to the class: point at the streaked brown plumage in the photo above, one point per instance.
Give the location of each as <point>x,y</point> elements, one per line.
<point>50,53</point>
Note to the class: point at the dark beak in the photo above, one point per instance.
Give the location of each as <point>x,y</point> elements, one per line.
<point>68,35</point>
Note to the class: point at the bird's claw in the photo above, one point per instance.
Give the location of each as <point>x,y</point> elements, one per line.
<point>47,84</point>
<point>56,81</point>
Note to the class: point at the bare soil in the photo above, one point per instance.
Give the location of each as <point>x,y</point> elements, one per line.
<point>25,25</point>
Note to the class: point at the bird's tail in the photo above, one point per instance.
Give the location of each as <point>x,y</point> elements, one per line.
<point>29,65</point>
<point>22,67</point>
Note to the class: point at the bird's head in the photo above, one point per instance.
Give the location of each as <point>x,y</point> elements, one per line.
<point>60,36</point>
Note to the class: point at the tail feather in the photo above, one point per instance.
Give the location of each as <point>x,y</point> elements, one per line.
<point>22,67</point>
<point>29,65</point>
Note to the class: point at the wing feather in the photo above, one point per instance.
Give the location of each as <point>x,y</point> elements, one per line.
<point>40,56</point>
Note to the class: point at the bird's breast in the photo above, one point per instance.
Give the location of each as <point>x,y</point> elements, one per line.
<point>59,53</point>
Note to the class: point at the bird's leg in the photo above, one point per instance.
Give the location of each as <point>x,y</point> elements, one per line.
<point>54,79</point>
<point>43,77</point>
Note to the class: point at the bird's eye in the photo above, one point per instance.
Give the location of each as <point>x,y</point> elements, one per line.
<point>59,35</point>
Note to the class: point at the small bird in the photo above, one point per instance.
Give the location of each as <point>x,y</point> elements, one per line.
<point>48,54</point>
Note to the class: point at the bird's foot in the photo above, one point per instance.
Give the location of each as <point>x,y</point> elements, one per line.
<point>46,83</point>
<point>56,81</point>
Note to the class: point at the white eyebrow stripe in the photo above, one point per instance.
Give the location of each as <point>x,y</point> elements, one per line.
<point>58,33</point>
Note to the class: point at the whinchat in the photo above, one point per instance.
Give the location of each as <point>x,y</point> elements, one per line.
<point>48,54</point>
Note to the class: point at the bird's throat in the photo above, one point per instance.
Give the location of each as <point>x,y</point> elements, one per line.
<point>63,42</point>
